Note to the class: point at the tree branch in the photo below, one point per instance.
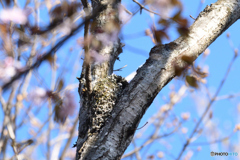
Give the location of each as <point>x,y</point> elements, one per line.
<point>53,49</point>
<point>158,70</point>
<point>207,109</point>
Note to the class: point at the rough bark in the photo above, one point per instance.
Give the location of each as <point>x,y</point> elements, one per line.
<point>130,101</point>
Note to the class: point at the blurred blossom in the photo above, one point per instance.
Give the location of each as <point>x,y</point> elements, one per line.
<point>8,61</point>
<point>175,122</point>
<point>206,52</point>
<point>185,116</point>
<point>205,69</point>
<point>20,97</point>
<point>199,148</point>
<point>184,130</point>
<point>15,15</point>
<point>38,95</point>
<point>123,15</point>
<point>107,38</point>
<point>188,155</point>
<point>236,52</point>
<point>237,127</point>
<point>160,154</point>
<point>169,125</point>
<point>164,108</point>
<point>8,68</point>
<point>67,27</point>
<point>81,41</point>
<point>10,71</point>
<point>163,6</point>
<point>96,57</point>
<point>68,105</point>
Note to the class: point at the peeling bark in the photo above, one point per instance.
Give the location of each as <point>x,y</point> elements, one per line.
<point>115,134</point>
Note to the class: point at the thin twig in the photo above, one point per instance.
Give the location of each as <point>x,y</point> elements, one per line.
<point>142,126</point>
<point>149,141</point>
<point>192,17</point>
<point>7,120</point>
<point>207,109</point>
<point>143,7</point>
<point>161,115</point>
<point>50,106</point>
<point>138,156</point>
<point>2,3</point>
<point>227,96</point>
<point>69,139</point>
<point>54,49</point>
<point>25,116</point>
<point>120,69</point>
<point>86,63</point>
<point>213,142</point>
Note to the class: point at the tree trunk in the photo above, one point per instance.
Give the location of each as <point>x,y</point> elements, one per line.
<point>111,109</point>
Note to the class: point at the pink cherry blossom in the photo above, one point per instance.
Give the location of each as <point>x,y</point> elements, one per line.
<point>8,68</point>
<point>67,26</point>
<point>38,96</point>
<point>123,15</point>
<point>163,6</point>
<point>96,57</point>
<point>15,15</point>
<point>185,115</point>
<point>107,38</point>
<point>68,106</point>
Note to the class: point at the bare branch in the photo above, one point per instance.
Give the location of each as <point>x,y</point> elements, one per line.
<point>207,108</point>
<point>53,49</point>
<point>158,70</point>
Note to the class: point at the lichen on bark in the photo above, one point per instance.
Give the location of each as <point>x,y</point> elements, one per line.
<point>105,93</point>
